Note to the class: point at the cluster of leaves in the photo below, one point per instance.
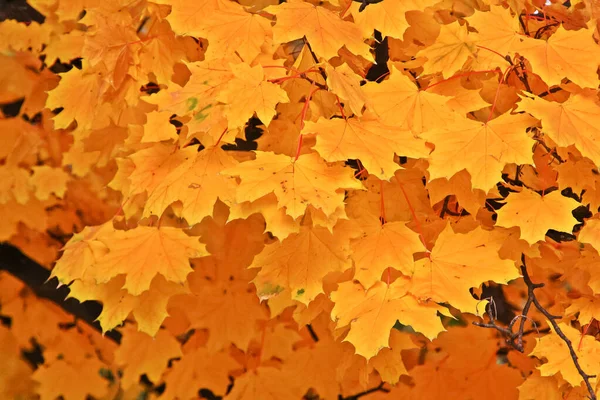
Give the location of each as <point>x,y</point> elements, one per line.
<point>265,212</point>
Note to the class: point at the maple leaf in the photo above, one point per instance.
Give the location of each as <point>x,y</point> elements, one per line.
<point>149,308</point>
<point>388,362</point>
<point>458,185</point>
<point>248,93</point>
<point>158,128</point>
<point>266,383</point>
<point>498,33</point>
<point>343,81</point>
<point>382,246</point>
<point>548,58</point>
<point>399,102</point>
<point>60,378</point>
<point>555,350</point>
<point>586,308</point>
<point>300,263</point>
<point>197,183</point>
<point>230,310</point>
<point>372,313</point>
<point>535,214</point>
<point>457,263</point>
<point>483,149</point>
<point>590,233</point>
<point>142,354</point>
<point>199,369</point>
<point>75,93</point>
<point>295,182</point>
<point>540,387</point>
<point>277,221</point>
<point>208,78</point>
<point>143,252</point>
<point>325,31</point>
<point>388,17</point>
<point>234,31</point>
<point>81,252</point>
<point>112,45</point>
<point>15,185</point>
<point>47,180</point>
<point>320,364</point>
<point>160,52</point>
<point>151,167</point>
<point>368,140</point>
<point>451,50</point>
<point>569,123</point>
<point>279,342</point>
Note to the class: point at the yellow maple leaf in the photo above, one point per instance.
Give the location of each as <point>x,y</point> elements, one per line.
<point>388,362</point>
<point>197,184</point>
<point>208,78</point>
<point>149,308</point>
<point>199,369</point>
<point>585,308</point>
<point>372,313</point>
<point>249,93</point>
<point>590,233</point>
<point>77,94</point>
<point>151,167</point>
<point>540,387</point>
<point>235,31</point>
<point>398,101</point>
<point>483,149</point>
<point>81,252</point>
<point>388,17</point>
<point>141,354</point>
<point>568,53</point>
<point>47,180</point>
<point>346,84</point>
<point>381,246</point>
<point>277,221</point>
<point>70,381</point>
<point>267,383</point>
<point>188,18</point>
<point>457,263</point>
<point>295,182</point>
<point>574,122</point>
<point>324,29</point>
<point>15,184</point>
<point>453,47</point>
<point>374,143</point>
<point>112,45</point>
<point>498,31</point>
<point>319,365</point>
<point>158,128</point>
<point>230,310</point>
<point>143,252</point>
<point>555,350</point>
<point>458,185</point>
<point>300,263</point>
<point>535,214</point>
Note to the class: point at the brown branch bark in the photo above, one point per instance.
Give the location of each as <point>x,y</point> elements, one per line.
<point>515,338</point>
<point>35,277</point>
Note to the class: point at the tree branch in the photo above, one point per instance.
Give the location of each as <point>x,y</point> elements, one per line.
<point>35,277</point>
<point>515,339</point>
<point>378,388</point>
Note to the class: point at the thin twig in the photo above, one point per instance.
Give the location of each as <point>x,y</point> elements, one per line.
<point>378,388</point>
<point>560,333</point>
<point>515,339</point>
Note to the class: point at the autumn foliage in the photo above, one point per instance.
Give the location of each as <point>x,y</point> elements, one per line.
<point>318,200</point>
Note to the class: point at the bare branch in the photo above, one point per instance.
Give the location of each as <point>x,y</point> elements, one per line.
<point>515,339</point>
